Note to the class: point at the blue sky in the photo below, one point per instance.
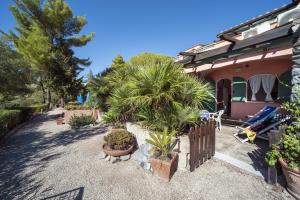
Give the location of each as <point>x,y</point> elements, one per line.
<point>130,27</point>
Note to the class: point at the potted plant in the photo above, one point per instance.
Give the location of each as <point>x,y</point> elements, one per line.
<point>119,142</point>
<point>164,162</point>
<point>288,155</point>
<point>118,125</point>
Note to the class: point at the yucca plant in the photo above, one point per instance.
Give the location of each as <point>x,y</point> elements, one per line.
<point>162,142</point>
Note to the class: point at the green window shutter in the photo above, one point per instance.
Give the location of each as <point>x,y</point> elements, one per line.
<point>284,86</point>
<point>211,107</point>
<point>239,87</point>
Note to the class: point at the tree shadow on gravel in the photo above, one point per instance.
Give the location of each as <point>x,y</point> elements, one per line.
<point>75,194</point>
<point>26,154</point>
<point>258,157</point>
<point>74,135</point>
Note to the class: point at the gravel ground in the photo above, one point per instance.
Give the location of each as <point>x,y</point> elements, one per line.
<point>46,161</point>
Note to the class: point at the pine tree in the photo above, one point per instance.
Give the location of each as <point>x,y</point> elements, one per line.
<point>46,34</point>
<point>15,74</point>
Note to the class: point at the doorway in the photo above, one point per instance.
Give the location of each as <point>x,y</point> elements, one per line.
<point>224,96</point>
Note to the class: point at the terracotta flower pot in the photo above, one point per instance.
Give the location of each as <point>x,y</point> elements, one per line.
<point>164,169</point>
<point>292,178</point>
<point>116,153</point>
<point>59,121</point>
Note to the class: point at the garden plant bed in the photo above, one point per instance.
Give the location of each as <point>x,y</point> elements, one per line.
<point>69,113</point>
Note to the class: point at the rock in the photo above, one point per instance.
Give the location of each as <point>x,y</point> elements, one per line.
<point>115,159</point>
<point>108,158</point>
<point>125,158</point>
<point>102,155</point>
<point>146,166</point>
<point>183,161</point>
<point>142,156</point>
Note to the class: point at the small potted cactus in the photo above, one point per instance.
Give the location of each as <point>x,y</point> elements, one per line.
<point>119,142</point>
<point>163,162</point>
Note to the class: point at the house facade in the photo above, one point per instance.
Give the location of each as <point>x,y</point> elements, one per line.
<point>251,64</point>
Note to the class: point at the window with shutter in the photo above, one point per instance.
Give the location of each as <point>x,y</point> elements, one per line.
<point>284,86</point>
<point>239,86</point>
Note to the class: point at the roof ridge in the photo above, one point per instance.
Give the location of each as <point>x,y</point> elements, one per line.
<point>257,18</point>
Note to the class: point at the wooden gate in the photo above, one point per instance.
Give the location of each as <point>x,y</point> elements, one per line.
<point>202,143</point>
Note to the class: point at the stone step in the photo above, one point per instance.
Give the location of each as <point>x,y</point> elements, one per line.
<point>231,122</point>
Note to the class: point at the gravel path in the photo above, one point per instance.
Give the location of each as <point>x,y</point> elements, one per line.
<point>46,161</point>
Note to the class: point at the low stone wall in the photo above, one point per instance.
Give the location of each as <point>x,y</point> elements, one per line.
<point>142,134</point>
<point>69,113</point>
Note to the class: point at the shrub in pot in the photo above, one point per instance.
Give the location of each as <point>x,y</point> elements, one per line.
<point>164,162</point>
<point>118,125</point>
<point>288,155</point>
<point>119,142</point>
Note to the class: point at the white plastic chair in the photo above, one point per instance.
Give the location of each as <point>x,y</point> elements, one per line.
<point>217,116</point>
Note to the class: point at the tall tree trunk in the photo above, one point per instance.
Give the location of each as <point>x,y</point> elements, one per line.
<point>62,102</point>
<point>296,61</point>
<point>48,98</point>
<point>43,92</point>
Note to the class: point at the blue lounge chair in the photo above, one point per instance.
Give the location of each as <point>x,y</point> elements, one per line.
<point>256,123</point>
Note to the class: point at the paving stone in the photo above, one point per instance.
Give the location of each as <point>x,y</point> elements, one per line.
<point>125,158</point>
<point>115,159</point>
<point>108,158</point>
<point>102,155</point>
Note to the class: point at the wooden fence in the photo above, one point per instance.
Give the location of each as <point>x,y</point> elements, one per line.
<point>202,143</point>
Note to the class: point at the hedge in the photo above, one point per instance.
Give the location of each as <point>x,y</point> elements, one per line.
<point>11,117</point>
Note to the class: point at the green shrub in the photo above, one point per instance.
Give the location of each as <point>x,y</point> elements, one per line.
<point>13,115</point>
<point>289,151</point>
<point>78,107</point>
<point>9,119</point>
<point>73,103</point>
<point>83,120</point>
<point>120,139</point>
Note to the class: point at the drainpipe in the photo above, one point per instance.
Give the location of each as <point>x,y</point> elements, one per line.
<point>296,60</point>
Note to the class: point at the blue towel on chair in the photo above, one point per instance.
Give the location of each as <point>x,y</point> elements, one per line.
<point>267,111</point>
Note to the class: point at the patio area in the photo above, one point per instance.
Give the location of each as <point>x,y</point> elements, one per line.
<point>244,155</point>
<point>46,161</point>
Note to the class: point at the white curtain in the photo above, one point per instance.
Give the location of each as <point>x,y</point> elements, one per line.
<point>268,81</point>
<point>255,82</point>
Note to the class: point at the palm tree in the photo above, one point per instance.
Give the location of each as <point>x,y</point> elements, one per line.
<point>159,95</point>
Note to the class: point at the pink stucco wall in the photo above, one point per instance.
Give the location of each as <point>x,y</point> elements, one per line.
<point>240,110</point>
<point>247,70</point>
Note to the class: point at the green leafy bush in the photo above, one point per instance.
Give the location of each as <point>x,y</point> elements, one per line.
<point>77,107</point>
<point>73,103</point>
<point>294,108</point>
<point>289,151</point>
<point>9,119</point>
<point>120,139</point>
<point>13,115</point>
<point>162,143</point>
<point>83,120</point>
